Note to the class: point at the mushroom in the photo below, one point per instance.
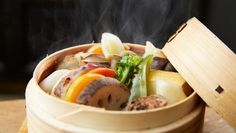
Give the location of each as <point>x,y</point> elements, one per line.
<point>106,93</point>
<point>169,67</point>
<point>114,60</point>
<point>96,58</point>
<point>159,63</point>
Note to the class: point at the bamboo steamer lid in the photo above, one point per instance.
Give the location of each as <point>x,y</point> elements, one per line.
<point>207,64</point>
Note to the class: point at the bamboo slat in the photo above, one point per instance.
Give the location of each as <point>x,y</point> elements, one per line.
<point>207,64</point>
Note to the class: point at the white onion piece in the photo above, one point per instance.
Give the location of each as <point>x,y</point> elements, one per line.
<point>111,45</point>
<point>48,83</point>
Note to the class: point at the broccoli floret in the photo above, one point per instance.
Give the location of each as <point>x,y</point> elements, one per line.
<point>127,67</point>
<point>131,60</point>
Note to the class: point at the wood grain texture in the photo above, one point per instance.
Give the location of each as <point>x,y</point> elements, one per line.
<point>191,123</point>
<point>23,127</point>
<point>213,124</point>
<point>12,114</point>
<point>206,63</point>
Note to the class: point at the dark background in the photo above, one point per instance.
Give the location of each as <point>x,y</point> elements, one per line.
<point>31,29</point>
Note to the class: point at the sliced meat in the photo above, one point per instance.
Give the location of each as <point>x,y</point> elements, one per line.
<point>106,93</point>
<point>149,102</point>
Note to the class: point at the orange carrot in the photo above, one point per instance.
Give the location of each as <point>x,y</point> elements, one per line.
<point>104,71</point>
<point>79,84</point>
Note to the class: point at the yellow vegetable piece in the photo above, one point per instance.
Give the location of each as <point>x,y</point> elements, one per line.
<point>79,84</point>
<point>171,85</point>
<point>96,49</point>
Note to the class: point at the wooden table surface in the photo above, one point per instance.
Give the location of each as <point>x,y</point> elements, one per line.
<point>12,114</point>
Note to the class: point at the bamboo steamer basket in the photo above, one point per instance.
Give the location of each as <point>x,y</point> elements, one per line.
<point>46,113</point>
<point>203,60</point>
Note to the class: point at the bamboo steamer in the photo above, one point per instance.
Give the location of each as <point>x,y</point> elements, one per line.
<point>207,64</point>
<point>49,114</point>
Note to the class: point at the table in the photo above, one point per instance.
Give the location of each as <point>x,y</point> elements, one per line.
<point>12,114</point>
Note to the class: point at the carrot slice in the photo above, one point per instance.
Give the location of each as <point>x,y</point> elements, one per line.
<point>104,71</point>
<point>96,49</point>
<point>79,84</point>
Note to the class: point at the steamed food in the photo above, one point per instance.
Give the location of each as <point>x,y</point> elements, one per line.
<point>111,76</point>
<point>168,84</point>
<point>127,67</point>
<point>111,45</point>
<point>139,82</point>
<point>105,92</point>
<point>148,102</point>
<point>48,83</point>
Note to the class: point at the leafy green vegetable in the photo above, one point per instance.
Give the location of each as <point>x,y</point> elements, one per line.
<point>127,67</point>
<point>139,83</point>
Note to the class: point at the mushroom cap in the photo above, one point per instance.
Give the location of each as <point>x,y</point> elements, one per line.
<point>95,58</point>
<point>159,63</point>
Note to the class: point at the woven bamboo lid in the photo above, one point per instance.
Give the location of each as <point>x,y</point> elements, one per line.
<point>207,64</point>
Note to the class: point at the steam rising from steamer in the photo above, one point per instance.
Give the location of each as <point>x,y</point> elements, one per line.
<point>72,22</point>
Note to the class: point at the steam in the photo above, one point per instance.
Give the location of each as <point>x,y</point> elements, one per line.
<point>72,22</point>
